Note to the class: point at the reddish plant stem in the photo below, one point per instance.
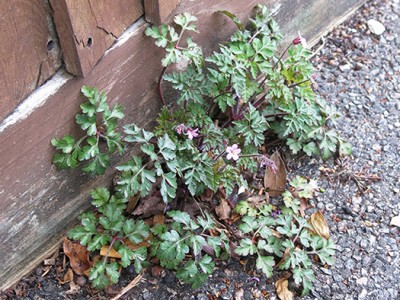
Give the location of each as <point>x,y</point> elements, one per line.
<point>280,57</point>
<point>256,105</point>
<point>159,88</point>
<point>276,115</point>
<point>298,83</point>
<point>109,249</point>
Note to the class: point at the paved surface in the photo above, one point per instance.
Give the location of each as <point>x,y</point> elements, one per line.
<point>359,73</point>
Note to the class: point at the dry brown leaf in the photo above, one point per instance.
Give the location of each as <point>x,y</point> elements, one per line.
<point>78,256</point>
<point>275,182</point>
<point>319,225</point>
<point>158,219</point>
<point>395,221</point>
<point>256,201</point>
<point>132,203</point>
<point>104,252</point>
<point>284,256</point>
<point>223,210</point>
<point>303,206</point>
<point>282,289</point>
<point>68,277</point>
<point>73,288</point>
<point>127,242</point>
<point>49,262</point>
<point>157,271</point>
<point>149,206</point>
<point>276,233</point>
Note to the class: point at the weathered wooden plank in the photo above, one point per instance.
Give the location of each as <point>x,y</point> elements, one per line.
<point>157,11</point>
<point>39,203</point>
<point>29,54</point>
<point>87,28</point>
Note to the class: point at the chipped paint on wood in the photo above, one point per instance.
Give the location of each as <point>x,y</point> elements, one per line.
<point>36,99</point>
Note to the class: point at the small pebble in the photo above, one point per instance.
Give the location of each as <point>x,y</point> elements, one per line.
<point>376,27</point>
<point>80,280</point>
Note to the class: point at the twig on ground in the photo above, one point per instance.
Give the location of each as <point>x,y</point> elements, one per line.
<point>319,48</point>
<point>344,172</point>
<point>130,286</point>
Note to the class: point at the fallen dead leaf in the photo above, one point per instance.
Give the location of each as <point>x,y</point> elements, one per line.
<point>78,256</point>
<point>303,206</point>
<point>158,219</point>
<point>149,206</point>
<point>275,182</point>
<point>49,262</point>
<point>157,271</point>
<point>282,289</point>
<point>256,201</point>
<point>395,221</point>
<point>284,256</point>
<point>223,210</point>
<point>73,289</point>
<point>276,233</point>
<point>319,225</point>
<point>68,277</point>
<point>132,246</point>
<point>132,203</point>
<point>105,251</point>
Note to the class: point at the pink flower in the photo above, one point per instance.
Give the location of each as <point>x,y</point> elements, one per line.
<point>180,128</point>
<point>266,162</point>
<point>233,152</point>
<point>300,40</point>
<point>192,133</point>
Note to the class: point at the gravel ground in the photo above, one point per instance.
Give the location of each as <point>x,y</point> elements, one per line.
<point>359,73</point>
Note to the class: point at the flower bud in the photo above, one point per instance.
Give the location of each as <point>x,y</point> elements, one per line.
<point>300,40</point>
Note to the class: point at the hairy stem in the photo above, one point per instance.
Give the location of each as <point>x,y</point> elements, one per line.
<point>282,55</point>
<point>109,249</point>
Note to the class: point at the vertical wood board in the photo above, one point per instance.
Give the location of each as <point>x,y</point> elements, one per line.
<point>29,53</point>
<point>87,28</point>
<point>158,11</point>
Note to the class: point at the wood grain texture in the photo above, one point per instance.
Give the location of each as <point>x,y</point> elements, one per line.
<point>158,11</point>
<point>87,28</point>
<point>39,203</point>
<point>29,54</point>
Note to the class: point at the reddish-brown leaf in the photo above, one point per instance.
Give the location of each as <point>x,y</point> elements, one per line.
<point>149,206</point>
<point>303,206</point>
<point>73,289</point>
<point>275,182</point>
<point>157,271</point>
<point>68,277</point>
<point>223,210</point>
<point>78,256</point>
